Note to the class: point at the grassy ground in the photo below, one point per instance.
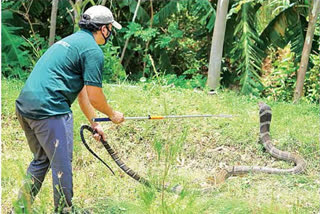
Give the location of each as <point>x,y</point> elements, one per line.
<point>198,148</point>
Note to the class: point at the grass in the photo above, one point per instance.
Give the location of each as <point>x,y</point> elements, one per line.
<point>208,145</point>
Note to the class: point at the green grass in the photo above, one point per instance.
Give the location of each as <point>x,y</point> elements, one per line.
<point>209,145</point>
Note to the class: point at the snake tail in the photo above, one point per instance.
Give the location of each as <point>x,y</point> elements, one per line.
<point>115,157</point>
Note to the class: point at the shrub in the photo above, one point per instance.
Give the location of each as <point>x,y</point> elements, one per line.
<point>280,76</point>
<point>113,70</point>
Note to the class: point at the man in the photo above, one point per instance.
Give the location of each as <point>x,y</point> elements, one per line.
<point>70,68</point>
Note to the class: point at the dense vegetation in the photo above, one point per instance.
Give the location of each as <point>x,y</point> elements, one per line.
<point>170,41</point>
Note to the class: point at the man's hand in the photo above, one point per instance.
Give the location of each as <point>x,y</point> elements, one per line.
<point>117,117</point>
<point>99,132</point>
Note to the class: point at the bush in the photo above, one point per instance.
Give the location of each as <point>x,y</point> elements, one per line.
<point>311,84</point>
<point>197,81</point>
<point>113,70</point>
<point>280,82</point>
<point>280,78</point>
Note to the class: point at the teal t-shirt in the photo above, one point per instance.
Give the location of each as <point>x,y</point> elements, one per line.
<point>59,76</point>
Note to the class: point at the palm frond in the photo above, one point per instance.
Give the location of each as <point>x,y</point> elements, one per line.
<point>200,7</point>
<point>246,52</point>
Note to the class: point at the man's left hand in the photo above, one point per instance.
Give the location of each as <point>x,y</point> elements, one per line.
<point>99,132</point>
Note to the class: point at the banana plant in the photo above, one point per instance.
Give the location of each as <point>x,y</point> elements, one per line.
<point>288,26</point>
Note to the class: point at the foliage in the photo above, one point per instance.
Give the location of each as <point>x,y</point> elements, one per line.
<point>281,80</point>
<point>14,57</point>
<point>197,81</point>
<point>169,38</point>
<point>112,70</point>
<point>167,11</point>
<point>169,50</point>
<point>19,53</point>
<point>312,81</point>
<point>287,27</point>
<point>176,47</point>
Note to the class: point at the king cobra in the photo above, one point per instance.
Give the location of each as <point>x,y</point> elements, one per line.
<point>265,121</point>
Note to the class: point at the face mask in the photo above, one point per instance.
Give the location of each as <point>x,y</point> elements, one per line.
<point>108,37</point>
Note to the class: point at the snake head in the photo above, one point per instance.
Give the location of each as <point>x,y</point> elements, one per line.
<point>263,106</point>
<point>218,179</point>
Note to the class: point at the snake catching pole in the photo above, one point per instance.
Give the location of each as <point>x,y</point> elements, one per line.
<point>149,117</point>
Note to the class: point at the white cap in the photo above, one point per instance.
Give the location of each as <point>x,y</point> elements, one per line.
<point>102,15</point>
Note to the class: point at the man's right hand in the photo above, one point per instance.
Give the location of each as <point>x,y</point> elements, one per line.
<point>117,117</point>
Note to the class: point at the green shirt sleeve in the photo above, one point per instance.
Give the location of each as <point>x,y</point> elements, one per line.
<point>92,67</point>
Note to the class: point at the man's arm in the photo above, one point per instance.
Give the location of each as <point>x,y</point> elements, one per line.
<point>99,102</point>
<point>91,98</point>
<point>85,105</point>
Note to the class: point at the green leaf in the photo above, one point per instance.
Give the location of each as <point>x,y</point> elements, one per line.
<point>132,29</point>
<point>174,31</point>
<point>163,41</point>
<point>146,34</point>
<point>210,24</point>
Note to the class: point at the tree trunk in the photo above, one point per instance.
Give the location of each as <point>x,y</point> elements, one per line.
<point>313,15</point>
<point>53,21</point>
<point>217,44</point>
<point>127,41</point>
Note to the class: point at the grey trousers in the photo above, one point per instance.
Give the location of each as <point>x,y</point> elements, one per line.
<point>51,142</point>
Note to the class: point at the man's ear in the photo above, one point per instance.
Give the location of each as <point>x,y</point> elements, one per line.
<point>103,28</point>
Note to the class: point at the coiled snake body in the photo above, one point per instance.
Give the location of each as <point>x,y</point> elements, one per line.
<point>265,121</point>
